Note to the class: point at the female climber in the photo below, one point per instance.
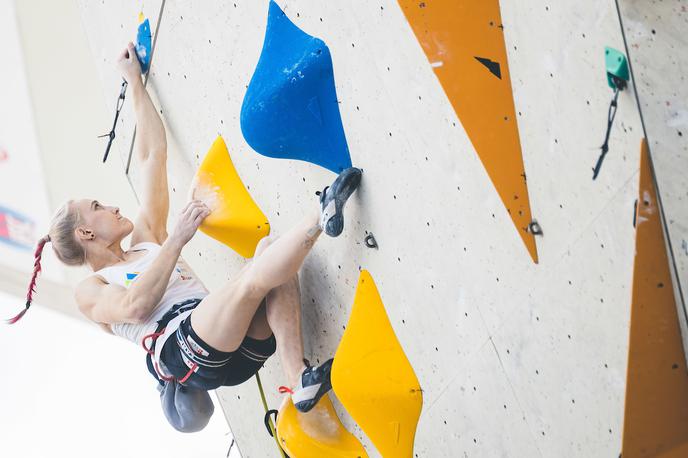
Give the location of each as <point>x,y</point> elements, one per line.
<point>148,294</point>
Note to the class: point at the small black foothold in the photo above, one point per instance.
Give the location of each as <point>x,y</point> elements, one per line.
<point>370,241</point>
<point>535,228</point>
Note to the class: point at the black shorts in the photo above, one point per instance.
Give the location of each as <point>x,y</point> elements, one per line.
<point>215,368</point>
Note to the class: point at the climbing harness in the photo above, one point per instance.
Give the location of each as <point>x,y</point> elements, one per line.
<point>151,352</point>
<point>153,367</point>
<point>111,134</point>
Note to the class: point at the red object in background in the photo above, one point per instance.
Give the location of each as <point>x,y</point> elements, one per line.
<point>4,155</point>
<point>16,230</point>
<point>4,230</point>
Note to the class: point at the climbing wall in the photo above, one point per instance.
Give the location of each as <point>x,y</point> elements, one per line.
<point>655,419</point>
<point>655,32</point>
<point>514,358</point>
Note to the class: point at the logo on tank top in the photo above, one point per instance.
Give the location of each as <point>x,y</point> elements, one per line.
<point>130,278</point>
<point>183,273</point>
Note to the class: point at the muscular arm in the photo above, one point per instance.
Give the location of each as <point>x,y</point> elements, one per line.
<point>107,304</point>
<point>150,154</point>
<point>149,287</point>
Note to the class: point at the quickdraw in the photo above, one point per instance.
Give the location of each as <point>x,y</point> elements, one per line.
<point>111,134</point>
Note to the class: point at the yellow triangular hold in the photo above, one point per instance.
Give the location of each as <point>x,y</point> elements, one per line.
<point>656,410</point>
<point>315,434</point>
<point>373,378</point>
<point>235,220</point>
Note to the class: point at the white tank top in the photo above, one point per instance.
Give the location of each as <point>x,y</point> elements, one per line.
<point>183,285</point>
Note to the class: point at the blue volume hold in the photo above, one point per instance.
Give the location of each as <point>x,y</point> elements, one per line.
<point>143,45</point>
<point>290,109</point>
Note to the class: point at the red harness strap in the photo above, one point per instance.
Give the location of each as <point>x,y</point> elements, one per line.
<point>284,389</point>
<point>154,336</point>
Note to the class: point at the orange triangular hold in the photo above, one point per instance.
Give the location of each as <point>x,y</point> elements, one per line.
<point>656,411</point>
<point>464,42</point>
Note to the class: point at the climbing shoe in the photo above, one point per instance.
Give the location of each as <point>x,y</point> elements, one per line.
<point>333,198</point>
<point>314,383</point>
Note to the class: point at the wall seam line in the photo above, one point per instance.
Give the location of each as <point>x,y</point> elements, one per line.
<point>665,226</point>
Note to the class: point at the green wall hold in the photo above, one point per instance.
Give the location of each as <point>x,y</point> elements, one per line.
<point>617,68</point>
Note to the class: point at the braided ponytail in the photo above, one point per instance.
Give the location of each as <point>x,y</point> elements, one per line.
<point>32,286</point>
<point>65,245</point>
